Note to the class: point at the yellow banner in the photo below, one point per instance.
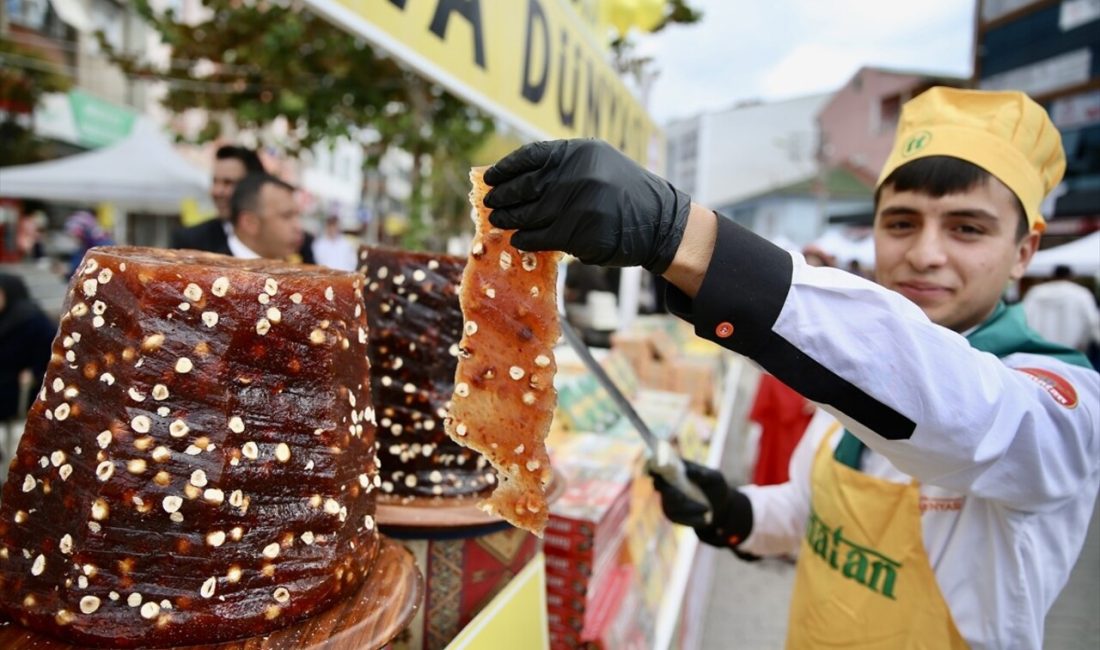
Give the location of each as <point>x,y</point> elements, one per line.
<point>538,64</point>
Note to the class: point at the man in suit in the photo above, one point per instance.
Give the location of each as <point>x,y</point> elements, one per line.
<point>231,164</point>
<point>266,220</point>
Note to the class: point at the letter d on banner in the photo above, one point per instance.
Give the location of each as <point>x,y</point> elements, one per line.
<point>534,90</point>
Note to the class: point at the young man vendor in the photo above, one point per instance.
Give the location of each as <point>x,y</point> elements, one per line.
<point>942,494</point>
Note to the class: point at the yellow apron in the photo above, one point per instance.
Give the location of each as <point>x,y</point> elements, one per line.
<point>863,578</point>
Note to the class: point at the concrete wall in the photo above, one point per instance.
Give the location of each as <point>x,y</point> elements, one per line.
<point>856,127</point>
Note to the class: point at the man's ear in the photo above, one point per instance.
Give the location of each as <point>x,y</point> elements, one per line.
<point>1025,250</point>
<point>248,222</point>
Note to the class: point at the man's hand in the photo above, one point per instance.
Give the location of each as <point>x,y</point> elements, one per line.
<point>586,198</point>
<point>731,521</point>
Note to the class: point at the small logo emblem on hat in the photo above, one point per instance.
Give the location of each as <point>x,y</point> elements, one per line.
<point>915,143</point>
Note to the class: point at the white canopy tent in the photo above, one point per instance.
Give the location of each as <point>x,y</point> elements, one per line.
<point>1082,255</point>
<point>834,242</point>
<point>863,252</point>
<point>846,250</point>
<point>142,173</point>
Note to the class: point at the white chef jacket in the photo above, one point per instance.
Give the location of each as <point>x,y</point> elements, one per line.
<point>1008,460</point>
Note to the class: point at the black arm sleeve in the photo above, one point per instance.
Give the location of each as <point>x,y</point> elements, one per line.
<point>745,288</point>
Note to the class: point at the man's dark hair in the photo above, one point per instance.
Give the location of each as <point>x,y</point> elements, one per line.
<point>246,196</point>
<point>942,175</point>
<point>246,156</point>
<point>1062,272</point>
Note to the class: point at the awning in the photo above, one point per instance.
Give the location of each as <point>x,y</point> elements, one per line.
<point>73,13</point>
<point>1082,256</point>
<point>142,173</point>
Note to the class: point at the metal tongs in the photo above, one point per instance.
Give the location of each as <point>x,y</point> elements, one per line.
<point>663,460</point>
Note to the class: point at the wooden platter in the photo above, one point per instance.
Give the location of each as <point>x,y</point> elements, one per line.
<point>417,517</point>
<point>370,619</point>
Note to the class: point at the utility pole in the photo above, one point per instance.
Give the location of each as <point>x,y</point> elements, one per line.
<point>822,189</point>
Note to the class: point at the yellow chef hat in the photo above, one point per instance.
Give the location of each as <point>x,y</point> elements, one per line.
<point>1005,133</point>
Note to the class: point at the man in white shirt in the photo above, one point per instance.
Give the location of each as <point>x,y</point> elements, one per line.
<point>1063,311</point>
<point>333,249</point>
<point>265,217</point>
<point>942,494</point>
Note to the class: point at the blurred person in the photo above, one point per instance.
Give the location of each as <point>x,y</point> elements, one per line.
<point>26,334</point>
<point>265,217</point>
<point>28,236</point>
<point>231,164</point>
<point>1063,311</point>
<point>85,230</point>
<point>943,491</point>
<point>334,249</point>
<point>817,256</point>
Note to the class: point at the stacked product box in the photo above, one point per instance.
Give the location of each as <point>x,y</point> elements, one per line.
<point>663,359</point>
<point>583,541</point>
<point>610,621</point>
<point>620,625</point>
<point>651,545</point>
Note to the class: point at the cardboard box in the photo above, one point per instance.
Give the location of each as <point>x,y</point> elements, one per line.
<point>611,621</point>
<point>630,628</point>
<point>584,538</point>
<point>699,379</point>
<point>575,586</point>
<point>650,352</point>
<point>604,605</point>
<point>586,531</point>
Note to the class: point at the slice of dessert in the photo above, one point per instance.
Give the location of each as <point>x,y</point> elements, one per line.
<point>504,393</point>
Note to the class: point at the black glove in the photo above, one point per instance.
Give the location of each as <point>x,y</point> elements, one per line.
<point>587,199</point>
<point>731,511</point>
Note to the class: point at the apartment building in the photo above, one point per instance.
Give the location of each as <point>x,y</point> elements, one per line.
<point>1050,49</point>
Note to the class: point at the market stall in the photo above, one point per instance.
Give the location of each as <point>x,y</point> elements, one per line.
<point>141,173</point>
<point>609,571</point>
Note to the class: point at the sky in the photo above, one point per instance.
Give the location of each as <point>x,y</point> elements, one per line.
<point>777,49</point>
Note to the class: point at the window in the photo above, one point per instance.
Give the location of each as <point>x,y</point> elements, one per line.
<point>28,13</point>
<point>889,110</point>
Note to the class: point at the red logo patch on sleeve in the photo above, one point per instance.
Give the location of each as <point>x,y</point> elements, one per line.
<point>1059,387</point>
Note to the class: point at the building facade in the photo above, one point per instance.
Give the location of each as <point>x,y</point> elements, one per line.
<point>732,159</point>
<point>103,104</point>
<point>1051,50</point>
<point>858,122</point>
